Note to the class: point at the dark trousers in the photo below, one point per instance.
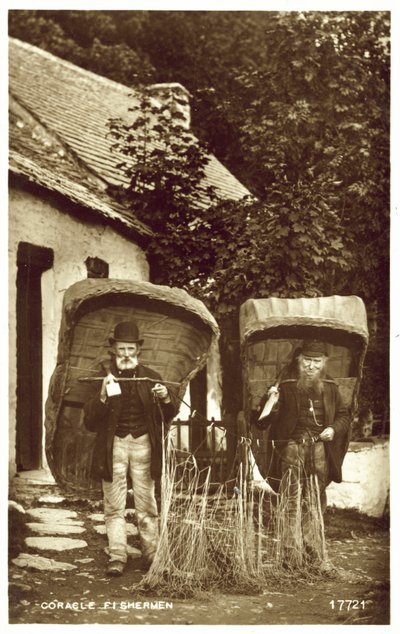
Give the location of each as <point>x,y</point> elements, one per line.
<point>304,472</point>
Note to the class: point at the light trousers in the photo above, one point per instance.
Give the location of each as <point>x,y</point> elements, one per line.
<point>131,456</point>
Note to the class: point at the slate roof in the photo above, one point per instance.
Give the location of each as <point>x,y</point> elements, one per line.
<point>58,131</point>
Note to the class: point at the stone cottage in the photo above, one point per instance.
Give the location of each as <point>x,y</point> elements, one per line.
<point>63,225</point>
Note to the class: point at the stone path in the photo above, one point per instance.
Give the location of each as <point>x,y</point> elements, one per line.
<point>53,530</point>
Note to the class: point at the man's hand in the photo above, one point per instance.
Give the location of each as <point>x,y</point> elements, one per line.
<point>161,392</point>
<point>327,435</point>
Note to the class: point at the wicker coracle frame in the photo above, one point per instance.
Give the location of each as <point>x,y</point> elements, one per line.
<point>177,330</point>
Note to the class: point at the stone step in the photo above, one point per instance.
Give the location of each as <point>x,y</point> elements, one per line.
<point>55,543</point>
<point>45,528</point>
<point>52,514</point>
<point>51,499</point>
<point>37,562</point>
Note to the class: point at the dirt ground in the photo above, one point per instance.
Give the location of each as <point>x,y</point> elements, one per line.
<point>359,594</point>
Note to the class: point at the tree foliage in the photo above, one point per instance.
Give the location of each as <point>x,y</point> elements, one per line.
<point>318,118</point>
<point>89,39</point>
<point>165,168</point>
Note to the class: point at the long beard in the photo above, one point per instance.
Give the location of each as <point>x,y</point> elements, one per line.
<point>310,384</point>
<point>126,364</point>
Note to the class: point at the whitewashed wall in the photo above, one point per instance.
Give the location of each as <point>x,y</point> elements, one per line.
<point>366,479</point>
<point>41,223</point>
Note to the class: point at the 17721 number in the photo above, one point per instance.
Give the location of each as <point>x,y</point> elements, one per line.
<point>347,604</point>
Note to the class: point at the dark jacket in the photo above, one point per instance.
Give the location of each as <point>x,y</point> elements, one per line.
<point>103,418</point>
<point>283,420</point>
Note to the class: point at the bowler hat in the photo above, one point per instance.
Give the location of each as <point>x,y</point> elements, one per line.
<point>126,331</point>
<point>314,348</point>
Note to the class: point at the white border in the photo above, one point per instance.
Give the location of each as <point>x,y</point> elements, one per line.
<point>288,5</point>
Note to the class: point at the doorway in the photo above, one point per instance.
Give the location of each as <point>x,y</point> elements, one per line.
<point>32,260</point>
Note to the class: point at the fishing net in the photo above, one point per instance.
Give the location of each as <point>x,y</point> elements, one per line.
<point>236,536</point>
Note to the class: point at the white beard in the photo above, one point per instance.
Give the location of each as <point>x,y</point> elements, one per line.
<point>315,382</point>
<point>126,364</point>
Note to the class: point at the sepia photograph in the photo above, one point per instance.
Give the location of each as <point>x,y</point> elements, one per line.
<point>199,314</point>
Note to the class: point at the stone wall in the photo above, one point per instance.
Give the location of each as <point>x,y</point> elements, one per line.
<point>366,478</point>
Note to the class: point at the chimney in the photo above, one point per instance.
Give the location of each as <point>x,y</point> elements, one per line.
<point>176,96</point>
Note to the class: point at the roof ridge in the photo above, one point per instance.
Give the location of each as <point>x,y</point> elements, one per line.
<point>83,71</point>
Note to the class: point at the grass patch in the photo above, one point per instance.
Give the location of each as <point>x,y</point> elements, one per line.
<point>340,523</point>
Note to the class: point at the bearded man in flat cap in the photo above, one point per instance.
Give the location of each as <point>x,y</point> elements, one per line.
<point>127,416</point>
<point>309,430</point>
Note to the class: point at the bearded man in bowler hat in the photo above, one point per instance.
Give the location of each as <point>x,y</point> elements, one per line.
<point>309,426</point>
<point>127,417</point>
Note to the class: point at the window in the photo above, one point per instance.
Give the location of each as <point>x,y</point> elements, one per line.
<point>96,267</point>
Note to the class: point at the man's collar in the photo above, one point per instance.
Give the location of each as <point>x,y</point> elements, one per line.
<point>130,374</point>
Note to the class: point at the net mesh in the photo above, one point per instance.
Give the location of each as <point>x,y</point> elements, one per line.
<point>235,536</point>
